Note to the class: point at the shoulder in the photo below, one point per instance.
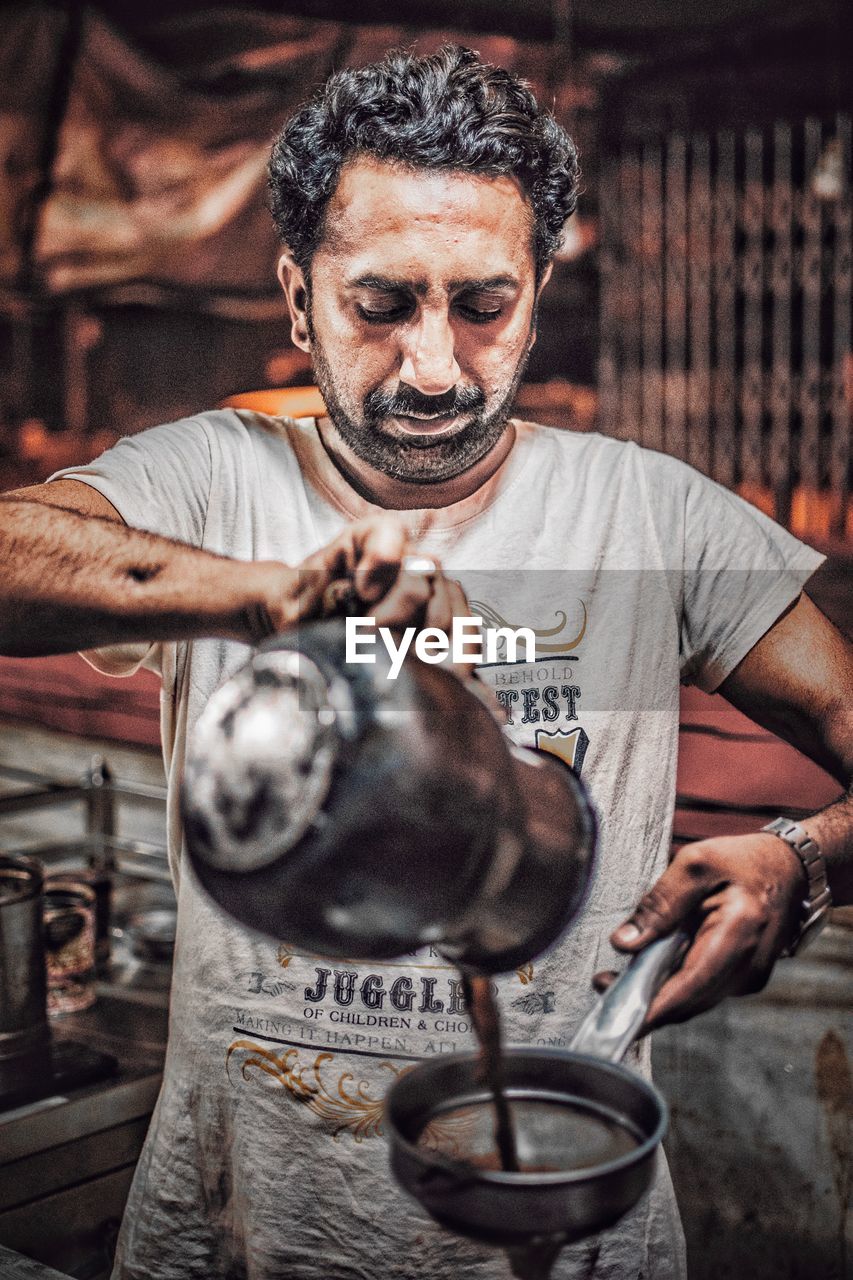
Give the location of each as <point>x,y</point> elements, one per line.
<point>229,437</point>
<point>590,456</point>
<point>240,424</point>
<point>587,448</point>
<point>235,427</point>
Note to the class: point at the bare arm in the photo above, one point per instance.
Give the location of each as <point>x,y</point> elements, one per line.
<point>742,894</point>
<point>75,577</point>
<point>798,682</point>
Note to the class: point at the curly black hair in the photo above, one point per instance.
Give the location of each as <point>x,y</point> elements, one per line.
<point>446,111</point>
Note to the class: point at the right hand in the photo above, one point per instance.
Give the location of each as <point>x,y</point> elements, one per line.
<point>368,555</point>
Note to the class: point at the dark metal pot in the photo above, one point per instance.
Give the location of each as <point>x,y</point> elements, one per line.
<point>361,816</point>
<point>24,1033</point>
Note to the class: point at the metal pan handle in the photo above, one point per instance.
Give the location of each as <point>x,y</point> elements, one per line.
<point>617,1016</point>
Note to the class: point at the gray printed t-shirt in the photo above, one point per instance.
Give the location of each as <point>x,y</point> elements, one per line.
<point>265,1158</point>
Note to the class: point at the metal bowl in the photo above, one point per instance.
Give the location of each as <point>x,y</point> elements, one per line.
<point>563,1192</point>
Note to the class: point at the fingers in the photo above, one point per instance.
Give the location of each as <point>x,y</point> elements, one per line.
<point>728,956</point>
<point>686,883</point>
<point>407,601</point>
<point>448,601</point>
<point>373,569</point>
<point>378,549</point>
<point>355,569</point>
<point>741,895</point>
<point>367,555</point>
<point>366,565</point>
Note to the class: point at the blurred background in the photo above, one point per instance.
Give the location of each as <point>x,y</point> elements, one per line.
<point>701,304</point>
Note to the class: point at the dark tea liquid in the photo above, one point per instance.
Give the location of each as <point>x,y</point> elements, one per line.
<point>483,1009</point>
<point>550,1136</point>
<point>530,1135</point>
<point>521,1135</point>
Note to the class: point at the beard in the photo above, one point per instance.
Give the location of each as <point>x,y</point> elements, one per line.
<point>417,459</point>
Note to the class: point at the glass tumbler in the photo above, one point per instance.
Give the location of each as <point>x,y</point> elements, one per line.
<point>69,943</point>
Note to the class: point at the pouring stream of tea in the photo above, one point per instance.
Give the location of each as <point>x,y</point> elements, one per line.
<point>535,1260</point>
<point>482,1006</point>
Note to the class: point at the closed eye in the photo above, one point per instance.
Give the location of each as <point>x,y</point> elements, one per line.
<point>383,315</point>
<point>390,315</point>
<point>477,315</point>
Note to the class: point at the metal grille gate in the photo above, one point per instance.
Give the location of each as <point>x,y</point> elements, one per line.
<point>726,311</point>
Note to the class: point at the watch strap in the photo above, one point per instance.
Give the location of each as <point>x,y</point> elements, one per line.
<point>818,899</point>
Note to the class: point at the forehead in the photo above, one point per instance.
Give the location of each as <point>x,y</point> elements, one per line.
<point>415,221</point>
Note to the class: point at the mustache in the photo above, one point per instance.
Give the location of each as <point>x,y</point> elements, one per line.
<point>405,401</point>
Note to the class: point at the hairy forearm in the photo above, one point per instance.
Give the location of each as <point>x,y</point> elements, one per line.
<point>828,740</point>
<point>76,582</point>
<point>832,828</point>
<point>798,683</point>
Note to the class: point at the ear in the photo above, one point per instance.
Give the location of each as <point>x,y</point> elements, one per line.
<point>292,282</point>
<point>546,276</point>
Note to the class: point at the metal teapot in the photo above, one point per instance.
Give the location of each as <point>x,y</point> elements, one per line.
<point>355,815</point>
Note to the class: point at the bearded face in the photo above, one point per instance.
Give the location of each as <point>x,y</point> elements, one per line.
<point>409,436</point>
<point>419,316</point>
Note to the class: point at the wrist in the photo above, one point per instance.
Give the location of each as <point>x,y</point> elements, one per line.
<point>267,600</point>
<point>816,899</point>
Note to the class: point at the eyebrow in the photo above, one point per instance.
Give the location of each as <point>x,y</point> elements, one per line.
<point>388,285</point>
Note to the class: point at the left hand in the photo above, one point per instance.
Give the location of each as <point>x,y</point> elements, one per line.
<point>741,896</point>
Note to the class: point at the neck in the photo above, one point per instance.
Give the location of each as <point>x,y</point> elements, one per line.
<point>403,495</point>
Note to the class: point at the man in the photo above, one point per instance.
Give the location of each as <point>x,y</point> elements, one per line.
<point>420,202</point>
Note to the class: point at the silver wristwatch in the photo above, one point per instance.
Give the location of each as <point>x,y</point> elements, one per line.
<point>816,904</point>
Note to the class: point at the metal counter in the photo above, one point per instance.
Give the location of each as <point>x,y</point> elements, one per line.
<point>66,1162</point>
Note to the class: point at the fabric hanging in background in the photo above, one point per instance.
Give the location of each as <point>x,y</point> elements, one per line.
<point>157,192</point>
<point>157,189</point>
<point>30,50</point>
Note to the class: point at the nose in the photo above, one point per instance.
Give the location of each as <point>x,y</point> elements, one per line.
<point>429,360</point>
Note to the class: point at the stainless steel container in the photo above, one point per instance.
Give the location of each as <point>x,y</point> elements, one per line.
<point>24,1034</point>
<point>359,815</point>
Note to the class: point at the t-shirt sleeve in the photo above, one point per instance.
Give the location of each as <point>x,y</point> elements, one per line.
<point>738,573</point>
<point>159,481</point>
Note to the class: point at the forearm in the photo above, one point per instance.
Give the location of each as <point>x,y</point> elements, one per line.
<point>76,582</point>
<point>798,683</point>
<point>832,829</point>
<point>828,740</point>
